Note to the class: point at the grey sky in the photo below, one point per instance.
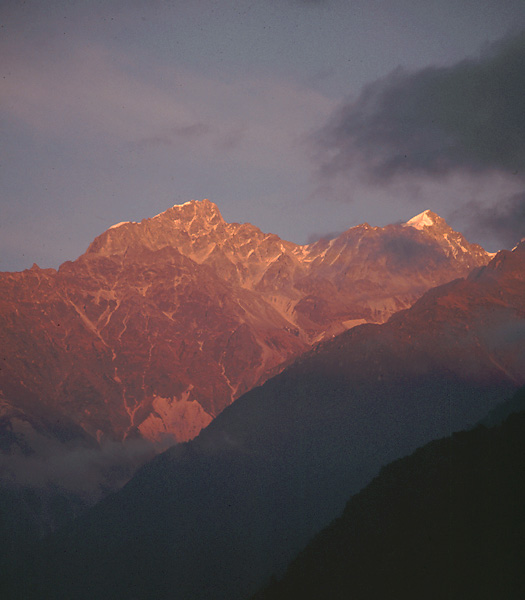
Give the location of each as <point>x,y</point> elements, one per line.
<point>116,111</point>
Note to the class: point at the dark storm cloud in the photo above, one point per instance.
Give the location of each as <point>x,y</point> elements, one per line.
<point>505,221</point>
<point>467,117</point>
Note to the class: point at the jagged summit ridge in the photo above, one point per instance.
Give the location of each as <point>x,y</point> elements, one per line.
<point>191,219</point>
<point>204,210</point>
<point>203,219</point>
<point>292,278</point>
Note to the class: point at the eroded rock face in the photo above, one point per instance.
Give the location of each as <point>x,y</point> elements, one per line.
<point>162,324</point>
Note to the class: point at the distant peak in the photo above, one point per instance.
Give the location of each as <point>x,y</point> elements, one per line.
<point>425,219</point>
<point>182,212</point>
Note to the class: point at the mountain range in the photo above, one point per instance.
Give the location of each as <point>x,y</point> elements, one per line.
<point>216,517</point>
<point>279,377</point>
<point>161,324</point>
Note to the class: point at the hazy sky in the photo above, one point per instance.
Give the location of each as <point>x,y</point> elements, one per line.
<point>301,117</point>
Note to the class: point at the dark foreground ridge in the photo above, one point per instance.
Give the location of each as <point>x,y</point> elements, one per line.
<point>445,522</point>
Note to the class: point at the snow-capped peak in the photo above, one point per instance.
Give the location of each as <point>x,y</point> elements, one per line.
<point>424,219</point>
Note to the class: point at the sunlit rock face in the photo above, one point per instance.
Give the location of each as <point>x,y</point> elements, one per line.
<point>162,324</point>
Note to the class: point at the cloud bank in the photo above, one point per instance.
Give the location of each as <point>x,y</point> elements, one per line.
<point>466,117</point>
<point>437,125</point>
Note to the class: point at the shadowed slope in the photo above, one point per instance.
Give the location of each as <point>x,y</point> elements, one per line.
<point>445,522</point>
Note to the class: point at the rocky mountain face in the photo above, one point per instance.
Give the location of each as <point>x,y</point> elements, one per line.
<point>216,517</point>
<point>161,324</point>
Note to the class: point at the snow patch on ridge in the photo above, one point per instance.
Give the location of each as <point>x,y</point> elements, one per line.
<point>181,205</point>
<point>420,221</point>
<point>174,206</point>
<point>515,247</point>
<point>121,223</point>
